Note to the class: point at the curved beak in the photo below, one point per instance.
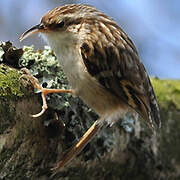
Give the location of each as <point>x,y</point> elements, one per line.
<point>33,30</point>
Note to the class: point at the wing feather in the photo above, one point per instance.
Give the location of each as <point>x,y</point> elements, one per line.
<point>118,68</point>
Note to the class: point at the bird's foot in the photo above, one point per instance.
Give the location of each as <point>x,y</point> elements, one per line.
<point>44,91</point>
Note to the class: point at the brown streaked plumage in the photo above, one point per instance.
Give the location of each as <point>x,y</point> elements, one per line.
<point>101,64</point>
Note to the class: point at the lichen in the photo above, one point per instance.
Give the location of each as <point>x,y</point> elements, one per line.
<point>44,66</point>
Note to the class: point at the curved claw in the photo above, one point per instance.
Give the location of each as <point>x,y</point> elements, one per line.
<point>44,107</point>
<point>39,114</point>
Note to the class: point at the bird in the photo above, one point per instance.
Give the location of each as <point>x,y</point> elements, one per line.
<point>102,66</point>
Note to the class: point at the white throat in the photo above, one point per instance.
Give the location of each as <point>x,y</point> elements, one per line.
<point>66,49</point>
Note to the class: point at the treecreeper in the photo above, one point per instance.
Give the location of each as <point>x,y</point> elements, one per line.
<point>102,66</point>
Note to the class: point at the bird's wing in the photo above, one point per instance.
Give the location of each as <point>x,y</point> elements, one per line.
<point>118,69</point>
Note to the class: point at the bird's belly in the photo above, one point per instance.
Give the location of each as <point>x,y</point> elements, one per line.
<point>106,105</point>
<point>103,102</point>
<point>99,99</point>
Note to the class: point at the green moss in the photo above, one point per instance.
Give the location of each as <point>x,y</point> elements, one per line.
<point>10,86</point>
<point>167,92</point>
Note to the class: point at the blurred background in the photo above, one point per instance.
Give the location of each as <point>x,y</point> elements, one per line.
<point>152,25</point>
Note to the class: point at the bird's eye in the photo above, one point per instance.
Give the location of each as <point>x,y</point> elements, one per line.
<point>60,25</point>
<point>41,26</point>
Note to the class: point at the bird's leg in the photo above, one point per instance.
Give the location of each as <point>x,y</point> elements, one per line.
<point>44,91</point>
<point>90,133</point>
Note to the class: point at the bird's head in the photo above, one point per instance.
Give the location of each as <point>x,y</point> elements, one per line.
<point>65,24</point>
